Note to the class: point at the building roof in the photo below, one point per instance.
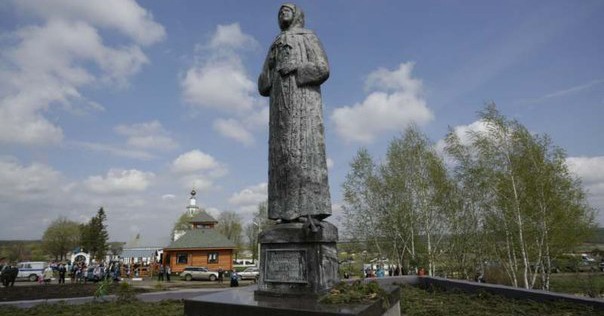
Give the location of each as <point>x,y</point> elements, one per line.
<point>202,217</point>
<point>202,238</point>
<point>146,252</point>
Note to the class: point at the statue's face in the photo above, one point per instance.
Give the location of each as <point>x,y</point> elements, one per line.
<point>286,15</point>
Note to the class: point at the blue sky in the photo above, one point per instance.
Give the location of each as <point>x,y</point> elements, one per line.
<point>129,105</point>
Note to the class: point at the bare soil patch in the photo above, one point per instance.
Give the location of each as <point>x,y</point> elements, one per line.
<point>50,291</point>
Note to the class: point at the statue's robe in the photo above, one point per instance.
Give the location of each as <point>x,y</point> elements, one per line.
<point>297,184</point>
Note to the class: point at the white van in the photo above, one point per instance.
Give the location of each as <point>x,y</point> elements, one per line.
<point>31,270</point>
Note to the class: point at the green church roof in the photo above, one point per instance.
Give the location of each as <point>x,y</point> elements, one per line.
<point>202,238</point>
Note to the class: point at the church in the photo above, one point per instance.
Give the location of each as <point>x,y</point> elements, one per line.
<point>201,245</point>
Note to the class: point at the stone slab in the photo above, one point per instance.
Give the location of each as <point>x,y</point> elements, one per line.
<point>243,302</point>
<point>294,261</point>
<point>296,232</point>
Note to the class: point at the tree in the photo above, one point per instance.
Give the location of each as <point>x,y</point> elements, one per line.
<point>183,222</point>
<point>361,206</point>
<point>229,224</point>
<point>61,236</point>
<point>531,207</point>
<point>401,206</point>
<point>94,235</point>
<point>259,223</point>
<point>418,191</point>
<point>467,246</point>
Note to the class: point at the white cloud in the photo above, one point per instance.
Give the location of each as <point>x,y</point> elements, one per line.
<point>231,37</point>
<point>241,129</point>
<point>124,16</point>
<point>148,135</point>
<point>30,182</point>
<point>590,169</point>
<point>591,172</point>
<point>395,102</point>
<point>214,212</point>
<point>247,200</point>
<point>329,163</point>
<point>463,132</point>
<point>222,85</point>
<point>233,129</point>
<point>201,182</point>
<point>47,64</point>
<point>120,182</point>
<point>219,80</point>
<point>194,161</point>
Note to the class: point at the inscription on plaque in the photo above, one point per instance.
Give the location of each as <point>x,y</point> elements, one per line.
<point>286,266</point>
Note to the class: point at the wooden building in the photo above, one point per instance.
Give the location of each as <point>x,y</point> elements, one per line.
<point>201,246</point>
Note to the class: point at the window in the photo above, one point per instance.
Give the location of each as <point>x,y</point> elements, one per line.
<point>182,258</point>
<point>213,257</point>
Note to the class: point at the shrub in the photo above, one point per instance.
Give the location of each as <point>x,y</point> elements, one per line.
<point>125,293</point>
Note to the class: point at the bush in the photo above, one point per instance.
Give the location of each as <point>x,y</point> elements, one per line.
<point>125,293</point>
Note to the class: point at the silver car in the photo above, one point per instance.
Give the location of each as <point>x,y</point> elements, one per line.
<point>250,273</point>
<point>198,273</point>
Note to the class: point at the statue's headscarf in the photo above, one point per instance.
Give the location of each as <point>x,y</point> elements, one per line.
<point>297,21</point>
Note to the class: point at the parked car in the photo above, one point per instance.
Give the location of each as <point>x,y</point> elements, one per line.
<point>31,270</point>
<point>250,273</point>
<point>198,273</point>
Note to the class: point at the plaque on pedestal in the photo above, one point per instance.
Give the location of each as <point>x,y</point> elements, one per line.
<point>296,261</point>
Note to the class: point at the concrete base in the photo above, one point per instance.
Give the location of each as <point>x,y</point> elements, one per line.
<point>243,302</point>
<point>296,261</point>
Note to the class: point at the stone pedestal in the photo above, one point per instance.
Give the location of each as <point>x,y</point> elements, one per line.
<point>296,261</point>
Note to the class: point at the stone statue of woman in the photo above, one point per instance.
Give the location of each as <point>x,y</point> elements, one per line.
<point>294,69</point>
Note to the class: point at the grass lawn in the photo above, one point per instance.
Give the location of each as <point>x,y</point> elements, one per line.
<point>414,301</point>
<point>164,308</point>
<point>581,283</point>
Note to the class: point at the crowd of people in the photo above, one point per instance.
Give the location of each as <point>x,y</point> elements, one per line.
<point>80,272</point>
<point>380,271</point>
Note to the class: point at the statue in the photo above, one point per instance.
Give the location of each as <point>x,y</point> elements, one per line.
<point>294,69</point>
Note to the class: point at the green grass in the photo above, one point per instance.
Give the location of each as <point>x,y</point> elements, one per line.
<point>164,308</point>
<point>414,301</point>
<point>582,283</point>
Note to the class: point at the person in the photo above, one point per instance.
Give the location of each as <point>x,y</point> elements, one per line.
<point>293,71</point>
<point>96,272</point>
<point>397,271</point>
<point>380,272</point>
<point>220,275</point>
<point>160,275</point>
<point>62,270</point>
<point>8,275</point>
<point>168,272</point>
<point>47,275</point>
<point>234,278</point>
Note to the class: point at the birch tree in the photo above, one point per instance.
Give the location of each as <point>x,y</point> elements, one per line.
<point>532,207</point>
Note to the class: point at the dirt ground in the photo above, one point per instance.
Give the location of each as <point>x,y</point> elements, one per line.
<point>34,291</point>
<point>48,291</point>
